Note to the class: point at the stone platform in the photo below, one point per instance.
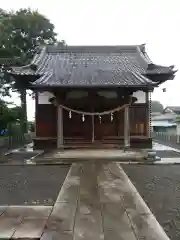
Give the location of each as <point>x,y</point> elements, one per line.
<point>90,156</point>
<point>96,202</point>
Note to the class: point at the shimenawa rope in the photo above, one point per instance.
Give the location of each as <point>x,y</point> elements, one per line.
<point>96,113</point>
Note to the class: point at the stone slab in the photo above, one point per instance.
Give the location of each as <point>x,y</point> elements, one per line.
<point>88,227</point>
<point>146,227</point>
<point>115,218</point>
<point>88,192</point>
<point>131,200</point>
<point>117,235</point>
<point>70,188</point>
<point>54,235</point>
<point>108,190</point>
<point>62,217</point>
<point>88,224</point>
<point>8,226</point>
<point>2,209</point>
<point>30,228</point>
<point>30,212</point>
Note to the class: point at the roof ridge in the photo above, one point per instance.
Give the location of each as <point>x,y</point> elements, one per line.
<point>142,50</point>
<point>91,48</point>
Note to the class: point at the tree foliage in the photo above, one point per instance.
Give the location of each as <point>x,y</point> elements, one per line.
<point>156,106</point>
<point>22,32</point>
<point>8,115</point>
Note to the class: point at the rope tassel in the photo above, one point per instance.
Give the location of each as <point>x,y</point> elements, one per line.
<point>111,117</point>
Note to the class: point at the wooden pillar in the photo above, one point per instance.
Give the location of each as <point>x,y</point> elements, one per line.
<point>93,128</point>
<point>60,137</point>
<point>36,106</point>
<point>148,119</point>
<point>126,128</point>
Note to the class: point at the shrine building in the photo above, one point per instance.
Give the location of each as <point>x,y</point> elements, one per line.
<point>92,96</point>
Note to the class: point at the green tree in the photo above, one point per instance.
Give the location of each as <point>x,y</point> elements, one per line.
<point>156,106</point>
<point>21,34</point>
<point>8,115</point>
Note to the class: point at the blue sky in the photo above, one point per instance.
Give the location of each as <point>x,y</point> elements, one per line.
<point>117,22</point>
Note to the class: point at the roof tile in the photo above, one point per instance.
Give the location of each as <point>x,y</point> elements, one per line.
<point>92,65</point>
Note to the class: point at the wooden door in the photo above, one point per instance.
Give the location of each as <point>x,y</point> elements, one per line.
<point>76,127</point>
<point>105,127</point>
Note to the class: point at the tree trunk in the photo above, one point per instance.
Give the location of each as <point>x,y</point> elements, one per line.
<point>23,120</point>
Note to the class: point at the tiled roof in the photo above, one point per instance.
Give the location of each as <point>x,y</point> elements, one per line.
<point>158,69</point>
<point>165,116</point>
<point>95,78</point>
<point>92,65</point>
<point>173,108</point>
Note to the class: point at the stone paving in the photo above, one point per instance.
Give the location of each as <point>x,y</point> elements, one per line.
<point>96,201</point>
<point>23,221</point>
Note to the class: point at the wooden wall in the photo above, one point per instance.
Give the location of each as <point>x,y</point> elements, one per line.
<point>46,120</point>
<point>138,120</point>
<point>75,127</point>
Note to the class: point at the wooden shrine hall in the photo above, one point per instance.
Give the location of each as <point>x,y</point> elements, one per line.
<point>92,96</point>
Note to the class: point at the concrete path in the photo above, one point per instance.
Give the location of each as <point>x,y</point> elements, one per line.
<point>97,201</point>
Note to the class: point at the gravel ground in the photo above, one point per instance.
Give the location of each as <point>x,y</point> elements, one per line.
<point>17,157</point>
<point>159,186</point>
<point>28,185</point>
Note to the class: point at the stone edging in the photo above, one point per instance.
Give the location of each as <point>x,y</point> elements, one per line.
<point>156,227</point>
